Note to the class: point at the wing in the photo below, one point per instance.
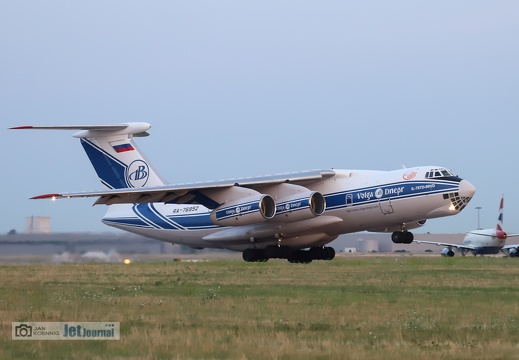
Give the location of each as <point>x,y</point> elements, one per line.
<point>512,246</point>
<point>457,246</point>
<point>209,194</point>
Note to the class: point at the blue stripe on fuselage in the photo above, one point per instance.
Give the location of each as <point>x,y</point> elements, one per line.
<point>150,217</point>
<point>393,191</point>
<point>147,212</point>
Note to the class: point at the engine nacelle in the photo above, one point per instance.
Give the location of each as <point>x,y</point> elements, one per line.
<point>245,211</point>
<point>299,207</point>
<point>513,252</point>
<point>447,252</point>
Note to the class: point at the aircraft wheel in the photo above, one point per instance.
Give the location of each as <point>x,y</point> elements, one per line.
<point>409,237</point>
<point>300,257</point>
<point>249,255</point>
<point>254,255</point>
<point>272,251</point>
<point>329,253</point>
<point>396,237</point>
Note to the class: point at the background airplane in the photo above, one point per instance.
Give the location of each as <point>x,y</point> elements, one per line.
<point>276,216</point>
<point>482,241</point>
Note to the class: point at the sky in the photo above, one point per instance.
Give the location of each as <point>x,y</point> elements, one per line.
<point>241,88</point>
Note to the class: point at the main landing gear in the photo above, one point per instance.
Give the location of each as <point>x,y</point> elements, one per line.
<point>402,237</point>
<point>292,255</point>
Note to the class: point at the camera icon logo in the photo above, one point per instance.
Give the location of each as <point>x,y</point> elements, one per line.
<point>23,330</point>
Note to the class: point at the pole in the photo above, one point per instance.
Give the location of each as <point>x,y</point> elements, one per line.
<point>478,208</point>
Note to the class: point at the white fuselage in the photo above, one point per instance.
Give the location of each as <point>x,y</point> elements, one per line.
<point>485,241</point>
<point>356,200</point>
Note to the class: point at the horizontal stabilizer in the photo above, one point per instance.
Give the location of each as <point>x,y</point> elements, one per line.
<point>73,127</point>
<point>89,131</point>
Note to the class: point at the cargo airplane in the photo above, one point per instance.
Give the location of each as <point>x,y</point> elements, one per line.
<point>481,241</point>
<point>289,216</point>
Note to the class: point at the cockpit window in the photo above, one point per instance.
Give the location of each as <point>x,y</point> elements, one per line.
<point>438,173</point>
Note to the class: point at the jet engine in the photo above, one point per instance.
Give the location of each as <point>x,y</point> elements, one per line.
<point>299,207</point>
<point>245,211</point>
<point>447,252</point>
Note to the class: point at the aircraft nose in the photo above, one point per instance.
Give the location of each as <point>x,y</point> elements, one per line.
<point>467,189</point>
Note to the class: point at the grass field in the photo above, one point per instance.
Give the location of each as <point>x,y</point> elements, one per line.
<point>349,308</point>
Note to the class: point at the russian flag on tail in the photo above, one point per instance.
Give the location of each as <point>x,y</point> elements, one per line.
<point>123,147</point>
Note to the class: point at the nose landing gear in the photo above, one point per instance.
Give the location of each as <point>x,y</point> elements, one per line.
<point>402,237</point>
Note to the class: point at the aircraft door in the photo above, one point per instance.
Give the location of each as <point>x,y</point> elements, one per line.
<point>386,207</point>
<point>349,199</point>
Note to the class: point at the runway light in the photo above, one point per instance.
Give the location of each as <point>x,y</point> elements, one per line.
<point>127,261</point>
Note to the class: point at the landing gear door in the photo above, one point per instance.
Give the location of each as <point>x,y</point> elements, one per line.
<point>385,206</point>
